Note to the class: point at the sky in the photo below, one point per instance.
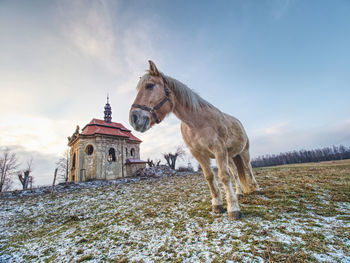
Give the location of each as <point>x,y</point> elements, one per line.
<point>282,67</point>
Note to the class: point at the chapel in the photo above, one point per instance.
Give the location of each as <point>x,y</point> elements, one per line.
<point>103,150</point>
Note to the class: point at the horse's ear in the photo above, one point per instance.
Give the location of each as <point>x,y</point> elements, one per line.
<point>153,69</point>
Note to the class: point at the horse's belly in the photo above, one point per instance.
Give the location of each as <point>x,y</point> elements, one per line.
<point>208,141</point>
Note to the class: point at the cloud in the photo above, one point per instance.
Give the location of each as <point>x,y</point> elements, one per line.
<point>89,30</point>
<point>35,133</point>
<point>276,128</point>
<point>111,48</point>
<point>283,137</point>
<point>102,32</point>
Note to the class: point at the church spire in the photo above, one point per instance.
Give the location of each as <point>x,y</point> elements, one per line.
<point>108,111</point>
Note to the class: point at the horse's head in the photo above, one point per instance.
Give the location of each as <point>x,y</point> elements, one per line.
<point>153,101</point>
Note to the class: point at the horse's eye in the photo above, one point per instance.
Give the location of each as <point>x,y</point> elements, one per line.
<point>150,86</point>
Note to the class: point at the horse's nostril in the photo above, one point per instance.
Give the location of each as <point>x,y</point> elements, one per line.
<point>134,117</point>
<point>146,118</point>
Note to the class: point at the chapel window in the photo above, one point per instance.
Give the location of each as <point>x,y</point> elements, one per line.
<point>89,149</point>
<point>73,161</point>
<point>111,155</point>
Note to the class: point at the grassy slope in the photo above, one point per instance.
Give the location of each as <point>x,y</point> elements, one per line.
<point>302,216</point>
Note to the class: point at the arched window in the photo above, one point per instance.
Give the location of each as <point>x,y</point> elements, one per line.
<point>132,152</point>
<point>126,152</point>
<point>73,161</point>
<point>89,149</point>
<point>111,155</point>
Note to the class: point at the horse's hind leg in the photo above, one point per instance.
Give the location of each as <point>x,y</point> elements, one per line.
<point>232,203</point>
<point>248,167</point>
<point>234,173</point>
<point>243,176</point>
<point>216,198</point>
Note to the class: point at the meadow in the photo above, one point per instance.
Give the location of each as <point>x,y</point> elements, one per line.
<point>303,215</point>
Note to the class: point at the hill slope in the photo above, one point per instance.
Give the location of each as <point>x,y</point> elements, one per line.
<point>302,216</point>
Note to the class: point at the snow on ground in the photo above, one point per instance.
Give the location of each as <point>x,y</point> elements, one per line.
<point>168,219</point>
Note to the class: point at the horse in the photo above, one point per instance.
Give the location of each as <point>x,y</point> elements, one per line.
<point>207,132</point>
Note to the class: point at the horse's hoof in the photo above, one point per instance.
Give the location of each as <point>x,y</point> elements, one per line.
<point>235,215</point>
<point>239,196</point>
<point>218,209</point>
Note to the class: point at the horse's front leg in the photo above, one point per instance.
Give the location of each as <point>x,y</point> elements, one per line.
<point>232,203</point>
<point>216,199</point>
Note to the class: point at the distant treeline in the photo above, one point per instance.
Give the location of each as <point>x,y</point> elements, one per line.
<point>303,156</point>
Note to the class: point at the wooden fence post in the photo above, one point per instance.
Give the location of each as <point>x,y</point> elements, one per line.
<point>54,182</point>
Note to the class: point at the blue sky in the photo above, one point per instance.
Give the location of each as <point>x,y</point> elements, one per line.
<point>281,66</point>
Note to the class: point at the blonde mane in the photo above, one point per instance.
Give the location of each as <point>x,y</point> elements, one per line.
<point>186,96</point>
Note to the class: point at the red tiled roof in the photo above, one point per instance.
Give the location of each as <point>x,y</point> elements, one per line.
<point>97,126</point>
<point>132,137</point>
<point>109,124</point>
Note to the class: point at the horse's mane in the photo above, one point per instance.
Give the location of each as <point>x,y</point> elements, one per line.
<point>186,96</point>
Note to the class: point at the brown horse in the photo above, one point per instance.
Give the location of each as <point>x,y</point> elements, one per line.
<point>208,133</point>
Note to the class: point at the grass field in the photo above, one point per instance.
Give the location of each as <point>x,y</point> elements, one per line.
<point>303,215</point>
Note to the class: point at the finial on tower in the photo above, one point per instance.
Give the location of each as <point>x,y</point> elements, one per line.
<point>108,111</point>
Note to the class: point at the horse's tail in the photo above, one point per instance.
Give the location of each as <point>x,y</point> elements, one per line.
<point>241,173</point>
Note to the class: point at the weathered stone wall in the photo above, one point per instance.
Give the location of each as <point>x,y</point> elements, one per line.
<point>74,169</point>
<point>132,168</point>
<point>96,165</point>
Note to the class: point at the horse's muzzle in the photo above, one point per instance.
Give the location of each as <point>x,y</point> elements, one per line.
<point>140,120</point>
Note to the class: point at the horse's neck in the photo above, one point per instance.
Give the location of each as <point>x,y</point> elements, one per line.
<point>191,118</point>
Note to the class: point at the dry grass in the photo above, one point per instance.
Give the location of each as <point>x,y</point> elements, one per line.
<point>302,216</point>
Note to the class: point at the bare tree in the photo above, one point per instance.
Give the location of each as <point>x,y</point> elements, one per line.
<point>8,166</point>
<point>24,177</point>
<point>152,163</point>
<point>172,157</point>
<point>303,156</point>
<point>63,166</point>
